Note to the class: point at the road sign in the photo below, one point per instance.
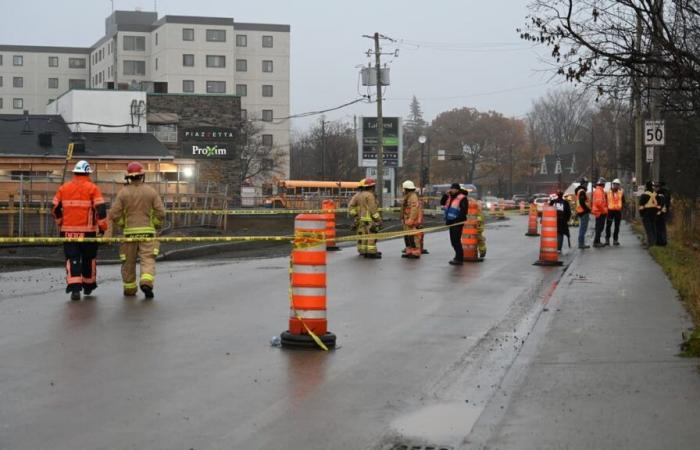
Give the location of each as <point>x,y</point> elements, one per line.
<point>654,132</point>
<point>367,142</point>
<point>441,155</point>
<point>69,152</point>
<point>650,154</point>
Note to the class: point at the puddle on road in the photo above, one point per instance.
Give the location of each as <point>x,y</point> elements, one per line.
<point>438,422</point>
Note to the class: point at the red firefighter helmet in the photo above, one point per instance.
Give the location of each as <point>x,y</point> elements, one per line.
<point>134,169</point>
<point>369,182</point>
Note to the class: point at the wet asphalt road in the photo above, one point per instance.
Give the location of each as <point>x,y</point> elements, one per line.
<point>423,346</point>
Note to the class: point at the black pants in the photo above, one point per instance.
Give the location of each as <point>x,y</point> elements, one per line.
<point>81,267</point>
<point>456,241</point>
<point>614,217</point>
<point>599,227</point>
<point>649,222</point>
<point>661,237</point>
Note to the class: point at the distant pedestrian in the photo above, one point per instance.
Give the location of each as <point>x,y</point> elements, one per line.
<point>663,198</point>
<point>599,209</point>
<point>616,203</point>
<point>456,205</point>
<point>583,210</point>
<point>563,215</point>
<point>649,209</point>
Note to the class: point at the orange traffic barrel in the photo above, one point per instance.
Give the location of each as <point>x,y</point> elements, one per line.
<point>307,311</point>
<point>548,243</point>
<point>328,206</point>
<point>532,221</point>
<point>470,234</point>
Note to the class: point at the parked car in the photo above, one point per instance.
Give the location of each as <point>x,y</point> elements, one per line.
<point>537,195</point>
<point>489,200</point>
<point>517,198</point>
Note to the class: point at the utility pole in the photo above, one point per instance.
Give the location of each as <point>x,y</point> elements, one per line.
<point>657,30</point>
<point>323,149</point>
<point>637,94</point>
<point>380,122</point>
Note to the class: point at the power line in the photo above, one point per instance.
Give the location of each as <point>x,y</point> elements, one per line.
<point>313,113</point>
<point>480,94</point>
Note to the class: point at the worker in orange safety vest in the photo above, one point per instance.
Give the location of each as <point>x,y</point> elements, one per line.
<point>599,209</point>
<point>616,202</point>
<point>79,210</point>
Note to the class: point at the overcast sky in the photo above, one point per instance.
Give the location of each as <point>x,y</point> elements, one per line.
<point>451,53</point>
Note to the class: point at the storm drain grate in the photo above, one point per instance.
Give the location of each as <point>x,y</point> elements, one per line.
<point>420,447</point>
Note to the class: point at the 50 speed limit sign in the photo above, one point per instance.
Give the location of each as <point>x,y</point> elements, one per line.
<point>654,132</point>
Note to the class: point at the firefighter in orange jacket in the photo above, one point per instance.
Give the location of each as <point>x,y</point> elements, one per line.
<point>80,211</point>
<point>599,209</point>
<point>412,219</point>
<point>138,211</point>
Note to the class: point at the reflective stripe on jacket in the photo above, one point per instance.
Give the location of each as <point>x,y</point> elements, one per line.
<point>137,209</point>
<point>651,202</point>
<point>78,206</point>
<point>615,200</point>
<point>452,206</point>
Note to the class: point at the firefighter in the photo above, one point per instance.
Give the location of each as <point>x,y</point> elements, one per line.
<point>616,203</point>
<point>139,212</point>
<point>480,227</point>
<point>363,207</point>
<point>456,205</point>
<point>599,209</point>
<point>80,211</point>
<point>412,219</point>
<point>649,209</point>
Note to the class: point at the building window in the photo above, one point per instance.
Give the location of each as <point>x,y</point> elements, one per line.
<point>267,140</point>
<point>244,114</point>
<point>53,83</point>
<point>267,115</point>
<point>0,60</point>
<point>156,63</point>
<point>18,60</point>
<point>216,87</point>
<point>156,38</point>
<point>216,35</point>
<point>18,82</point>
<point>76,63</point>
<point>135,43</point>
<point>188,34</point>
<point>0,102</point>
<point>267,66</point>
<point>134,67</point>
<point>241,40</point>
<point>101,54</point>
<point>267,90</point>
<point>188,60</point>
<point>218,61</point>
<point>163,132</point>
<point>53,61</point>
<point>241,65</point>
<point>76,84</point>
<point>267,41</point>
<point>0,81</point>
<point>187,85</point>
<point>242,90</point>
<point>17,103</point>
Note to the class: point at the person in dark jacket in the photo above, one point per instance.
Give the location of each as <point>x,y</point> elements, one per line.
<point>663,198</point>
<point>455,204</point>
<point>563,216</point>
<point>583,211</point>
<point>649,209</point>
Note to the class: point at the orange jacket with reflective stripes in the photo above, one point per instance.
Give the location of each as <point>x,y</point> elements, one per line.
<point>600,202</point>
<point>615,200</point>
<point>78,206</point>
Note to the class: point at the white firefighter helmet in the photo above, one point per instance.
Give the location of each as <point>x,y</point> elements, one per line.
<point>82,167</point>
<point>408,185</point>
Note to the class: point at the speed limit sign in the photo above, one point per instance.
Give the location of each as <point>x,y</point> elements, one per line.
<point>654,132</point>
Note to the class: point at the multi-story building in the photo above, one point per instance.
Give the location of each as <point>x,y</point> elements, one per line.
<point>173,54</point>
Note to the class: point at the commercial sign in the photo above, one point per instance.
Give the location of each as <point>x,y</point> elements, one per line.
<point>367,139</point>
<point>209,142</point>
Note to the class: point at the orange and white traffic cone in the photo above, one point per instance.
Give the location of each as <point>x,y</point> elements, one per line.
<point>532,221</point>
<point>548,243</point>
<point>329,207</point>
<point>308,325</point>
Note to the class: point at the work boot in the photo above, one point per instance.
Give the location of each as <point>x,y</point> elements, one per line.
<point>607,243</point>
<point>456,262</point>
<point>374,256</point>
<point>129,293</point>
<point>75,295</point>
<point>88,290</point>
<point>424,252</point>
<point>597,245</point>
<point>616,242</point>
<point>412,256</point>
<point>583,247</point>
<point>147,291</point>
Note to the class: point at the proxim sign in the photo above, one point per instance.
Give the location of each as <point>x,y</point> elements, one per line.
<point>210,151</point>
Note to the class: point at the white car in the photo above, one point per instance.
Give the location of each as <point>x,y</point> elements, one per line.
<point>489,200</point>
<point>540,202</point>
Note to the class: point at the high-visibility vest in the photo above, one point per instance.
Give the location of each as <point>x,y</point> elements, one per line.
<point>600,202</point>
<point>579,207</point>
<point>651,203</point>
<point>79,200</point>
<point>615,200</point>
<point>452,206</point>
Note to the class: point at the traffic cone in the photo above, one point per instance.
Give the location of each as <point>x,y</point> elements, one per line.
<point>328,206</point>
<point>532,221</point>
<point>308,325</point>
<point>548,243</point>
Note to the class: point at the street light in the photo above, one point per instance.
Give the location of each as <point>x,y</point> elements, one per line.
<point>423,176</point>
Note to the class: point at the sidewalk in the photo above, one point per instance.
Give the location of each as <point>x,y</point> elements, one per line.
<point>600,369</point>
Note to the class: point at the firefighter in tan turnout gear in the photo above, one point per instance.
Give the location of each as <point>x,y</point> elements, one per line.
<point>412,219</point>
<point>364,209</point>
<point>138,211</point>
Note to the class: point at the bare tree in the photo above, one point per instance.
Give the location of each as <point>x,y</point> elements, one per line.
<point>257,158</point>
<point>559,118</point>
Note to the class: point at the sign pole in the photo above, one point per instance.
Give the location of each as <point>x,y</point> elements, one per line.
<point>380,123</point>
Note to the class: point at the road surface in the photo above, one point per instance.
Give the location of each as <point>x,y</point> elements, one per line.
<point>429,354</point>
